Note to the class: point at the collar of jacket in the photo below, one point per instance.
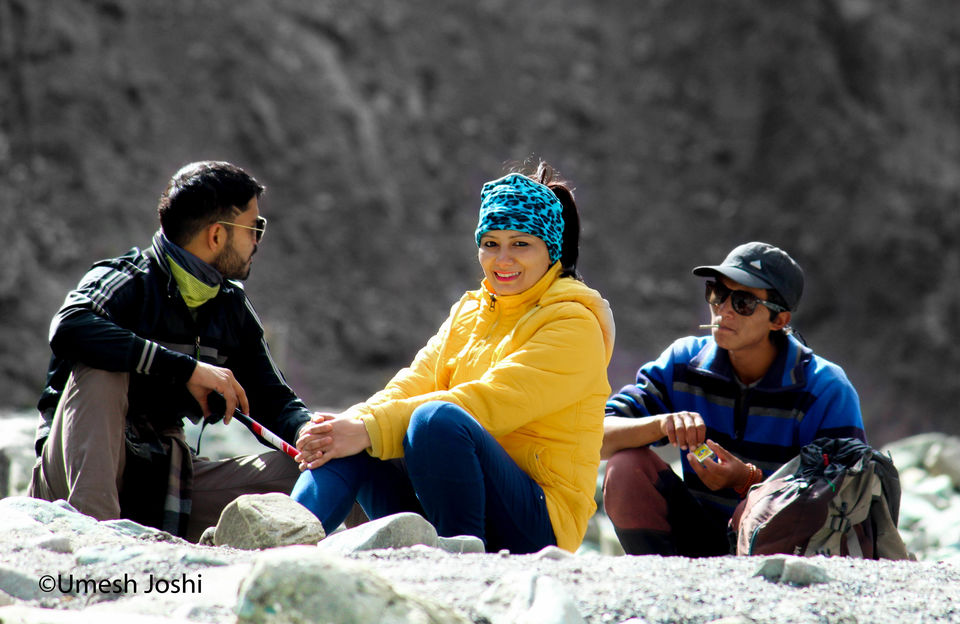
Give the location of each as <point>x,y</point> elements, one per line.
<point>173,290</point>
<point>524,299</point>
<point>787,370</point>
<point>156,255</point>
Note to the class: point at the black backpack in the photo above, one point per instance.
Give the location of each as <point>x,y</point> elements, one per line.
<point>838,497</point>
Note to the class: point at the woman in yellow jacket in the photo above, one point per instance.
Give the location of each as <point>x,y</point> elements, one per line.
<point>496,425</point>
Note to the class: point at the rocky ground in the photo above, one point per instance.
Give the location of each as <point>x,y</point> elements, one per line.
<point>54,563</point>
<point>44,543</point>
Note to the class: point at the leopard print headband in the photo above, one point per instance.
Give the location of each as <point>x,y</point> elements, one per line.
<point>515,202</point>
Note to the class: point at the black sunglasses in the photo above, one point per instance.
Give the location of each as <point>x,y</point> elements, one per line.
<point>261,226</point>
<point>743,303</point>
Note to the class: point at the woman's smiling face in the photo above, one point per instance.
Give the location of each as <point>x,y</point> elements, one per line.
<point>512,261</point>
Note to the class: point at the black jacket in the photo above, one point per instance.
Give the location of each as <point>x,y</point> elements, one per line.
<point>127,315</point>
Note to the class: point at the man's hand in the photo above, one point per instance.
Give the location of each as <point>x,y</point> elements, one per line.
<point>329,436</point>
<point>726,472</point>
<point>207,378</point>
<point>685,430</point>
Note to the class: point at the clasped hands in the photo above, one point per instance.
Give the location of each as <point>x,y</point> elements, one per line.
<point>686,431</point>
<point>323,438</point>
<point>327,436</point>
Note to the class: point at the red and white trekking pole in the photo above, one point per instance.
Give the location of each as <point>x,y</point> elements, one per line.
<point>217,405</point>
<point>266,434</point>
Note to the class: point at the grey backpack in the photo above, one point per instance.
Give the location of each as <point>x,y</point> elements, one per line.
<point>837,497</point>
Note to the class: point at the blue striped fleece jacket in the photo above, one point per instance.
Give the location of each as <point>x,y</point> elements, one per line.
<point>802,397</point>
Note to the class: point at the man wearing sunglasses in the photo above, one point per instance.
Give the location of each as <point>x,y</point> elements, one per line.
<point>141,343</point>
<point>738,404</point>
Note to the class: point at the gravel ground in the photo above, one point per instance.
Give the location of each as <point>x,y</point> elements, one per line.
<point>676,589</point>
<point>605,589</point>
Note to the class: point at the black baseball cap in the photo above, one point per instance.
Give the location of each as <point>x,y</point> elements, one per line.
<point>760,265</point>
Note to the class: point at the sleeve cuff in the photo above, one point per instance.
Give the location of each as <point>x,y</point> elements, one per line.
<point>167,363</point>
<point>373,430</point>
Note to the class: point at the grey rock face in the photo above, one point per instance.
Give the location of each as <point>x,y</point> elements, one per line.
<point>301,585</point>
<point>256,521</point>
<point>396,531</point>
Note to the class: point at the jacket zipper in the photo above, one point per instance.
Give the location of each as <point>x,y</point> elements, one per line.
<point>496,320</point>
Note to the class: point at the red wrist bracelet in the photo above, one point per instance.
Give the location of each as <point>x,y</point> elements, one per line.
<point>755,477</point>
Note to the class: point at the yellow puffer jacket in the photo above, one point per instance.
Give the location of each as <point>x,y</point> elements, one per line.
<point>532,369</point>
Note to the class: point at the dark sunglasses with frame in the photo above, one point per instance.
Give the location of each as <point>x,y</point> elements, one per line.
<point>260,226</point>
<point>743,302</point>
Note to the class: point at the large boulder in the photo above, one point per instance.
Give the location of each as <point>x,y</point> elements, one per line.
<point>301,585</point>
<point>257,521</point>
<point>394,531</point>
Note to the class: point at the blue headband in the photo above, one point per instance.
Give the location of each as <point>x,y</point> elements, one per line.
<point>515,202</point>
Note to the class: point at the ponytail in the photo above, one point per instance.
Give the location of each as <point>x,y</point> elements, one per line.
<point>570,249</point>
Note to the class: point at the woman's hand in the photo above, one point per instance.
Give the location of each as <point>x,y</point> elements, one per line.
<point>726,472</point>
<point>685,430</point>
<point>328,436</point>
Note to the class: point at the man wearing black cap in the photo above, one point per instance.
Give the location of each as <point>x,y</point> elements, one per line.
<point>738,404</point>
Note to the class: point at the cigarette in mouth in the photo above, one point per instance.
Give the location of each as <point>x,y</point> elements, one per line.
<point>709,326</point>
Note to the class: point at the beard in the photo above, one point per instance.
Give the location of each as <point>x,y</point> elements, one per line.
<point>231,264</point>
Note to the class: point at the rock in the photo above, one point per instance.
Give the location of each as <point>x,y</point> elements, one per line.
<point>943,458</point>
<point>940,528</point>
<point>110,555</point>
<point>17,455</point>
<point>206,539</point>
<point>256,521</point>
<point>24,586</point>
<point>54,543</point>
<point>914,509</point>
<point>792,571</point>
<point>21,510</point>
<point>523,598</point>
<point>461,544</point>
<point>910,452</point>
<point>206,557</point>
<point>552,552</point>
<point>938,490</point>
<point>64,505</point>
<point>302,585</point>
<point>395,531</point>
<point>131,528</point>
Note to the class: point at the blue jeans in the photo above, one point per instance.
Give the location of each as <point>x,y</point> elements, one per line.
<point>453,472</point>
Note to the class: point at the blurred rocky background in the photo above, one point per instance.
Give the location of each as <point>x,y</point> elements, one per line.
<point>828,127</point>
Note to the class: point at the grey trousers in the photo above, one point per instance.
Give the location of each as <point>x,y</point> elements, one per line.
<point>83,459</point>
